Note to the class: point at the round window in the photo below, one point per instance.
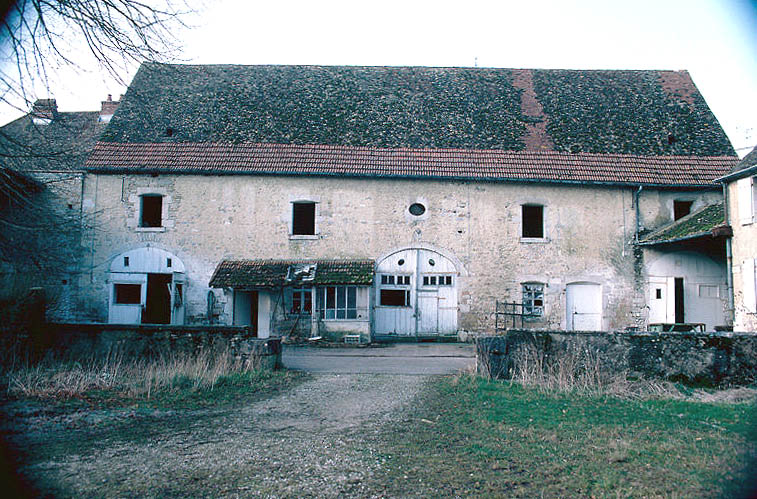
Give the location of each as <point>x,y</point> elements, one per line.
<point>417,209</point>
<point>431,262</point>
<point>401,262</point>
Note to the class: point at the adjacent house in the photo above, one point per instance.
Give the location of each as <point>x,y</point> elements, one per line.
<point>740,190</point>
<point>42,220</point>
<point>403,201</point>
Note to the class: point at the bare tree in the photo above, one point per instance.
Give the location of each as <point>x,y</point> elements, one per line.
<point>39,36</point>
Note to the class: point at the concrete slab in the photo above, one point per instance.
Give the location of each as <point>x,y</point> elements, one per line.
<point>403,358</point>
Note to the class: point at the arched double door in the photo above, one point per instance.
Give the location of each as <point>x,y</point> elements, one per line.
<point>416,294</point>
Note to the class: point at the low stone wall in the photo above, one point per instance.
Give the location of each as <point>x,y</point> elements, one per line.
<point>85,341</point>
<point>697,358</point>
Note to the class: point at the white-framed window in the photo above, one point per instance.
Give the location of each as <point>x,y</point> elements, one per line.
<point>394,290</point>
<point>532,221</point>
<point>438,280</point>
<point>151,210</point>
<point>338,302</point>
<point>746,188</point>
<point>533,299</point>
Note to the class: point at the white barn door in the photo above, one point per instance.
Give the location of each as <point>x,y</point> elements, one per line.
<point>583,307</point>
<point>416,294</point>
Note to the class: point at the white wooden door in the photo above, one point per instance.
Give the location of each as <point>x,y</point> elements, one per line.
<point>416,294</point>
<point>128,295</point>
<point>584,307</point>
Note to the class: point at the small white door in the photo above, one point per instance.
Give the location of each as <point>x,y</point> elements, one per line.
<point>584,307</point>
<point>128,295</point>
<point>658,300</point>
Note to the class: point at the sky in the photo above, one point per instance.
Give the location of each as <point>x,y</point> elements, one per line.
<point>715,40</point>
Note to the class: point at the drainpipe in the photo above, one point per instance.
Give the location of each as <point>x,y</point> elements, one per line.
<point>638,212</point>
<point>728,257</point>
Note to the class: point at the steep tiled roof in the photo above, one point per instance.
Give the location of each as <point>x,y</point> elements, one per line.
<point>698,224</point>
<point>203,158</point>
<point>245,274</point>
<point>61,145</point>
<point>618,112</point>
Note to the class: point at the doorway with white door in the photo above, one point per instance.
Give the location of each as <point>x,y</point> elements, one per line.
<point>583,306</point>
<point>147,286</point>
<point>416,294</point>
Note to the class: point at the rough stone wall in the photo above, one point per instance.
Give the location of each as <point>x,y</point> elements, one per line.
<point>744,246</point>
<point>708,358</point>
<point>588,233</point>
<point>51,252</point>
<point>88,341</point>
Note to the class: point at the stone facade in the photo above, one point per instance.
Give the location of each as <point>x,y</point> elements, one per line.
<point>744,252</point>
<point>589,232</point>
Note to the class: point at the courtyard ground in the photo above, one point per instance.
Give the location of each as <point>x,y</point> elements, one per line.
<point>361,434</point>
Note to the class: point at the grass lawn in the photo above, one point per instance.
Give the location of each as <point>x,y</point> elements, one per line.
<point>491,438</point>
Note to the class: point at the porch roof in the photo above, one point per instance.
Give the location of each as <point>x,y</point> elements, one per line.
<point>248,274</point>
<point>702,223</point>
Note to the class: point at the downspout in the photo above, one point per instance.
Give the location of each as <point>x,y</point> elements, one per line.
<point>638,212</point>
<point>728,258</point>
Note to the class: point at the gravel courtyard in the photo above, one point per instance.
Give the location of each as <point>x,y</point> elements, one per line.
<point>317,439</point>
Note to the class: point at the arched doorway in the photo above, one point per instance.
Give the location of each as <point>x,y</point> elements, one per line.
<point>147,286</point>
<point>416,294</point>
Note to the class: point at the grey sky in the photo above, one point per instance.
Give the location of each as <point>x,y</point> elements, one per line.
<point>715,40</point>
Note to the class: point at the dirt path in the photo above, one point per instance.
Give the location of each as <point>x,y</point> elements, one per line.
<point>313,440</point>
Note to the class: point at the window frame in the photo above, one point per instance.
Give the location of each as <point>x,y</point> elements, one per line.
<point>529,295</point>
<point>294,225</point>
<point>523,220</point>
<point>305,297</point>
<point>131,285</point>
<point>680,203</point>
<point>348,313</point>
<point>155,211</point>
<point>395,281</point>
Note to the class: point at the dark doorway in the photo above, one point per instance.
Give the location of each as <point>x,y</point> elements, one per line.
<point>679,300</point>
<point>158,303</point>
<point>254,312</point>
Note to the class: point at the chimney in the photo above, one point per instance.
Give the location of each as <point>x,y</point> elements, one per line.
<point>44,111</point>
<point>109,107</point>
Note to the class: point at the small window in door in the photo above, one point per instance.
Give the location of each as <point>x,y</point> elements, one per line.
<point>128,294</point>
<point>395,298</point>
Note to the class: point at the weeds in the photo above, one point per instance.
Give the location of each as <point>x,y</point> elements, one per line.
<point>131,377</point>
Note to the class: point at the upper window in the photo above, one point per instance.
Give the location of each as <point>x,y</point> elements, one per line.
<point>151,210</point>
<point>746,188</point>
<point>533,299</point>
<point>681,209</point>
<point>532,221</point>
<point>303,218</point>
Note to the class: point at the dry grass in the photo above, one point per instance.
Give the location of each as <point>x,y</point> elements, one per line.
<point>580,371</point>
<point>61,379</point>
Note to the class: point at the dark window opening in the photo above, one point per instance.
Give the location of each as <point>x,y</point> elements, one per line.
<point>169,132</point>
<point>302,301</point>
<point>395,298</point>
<point>658,294</point>
<point>126,261</point>
<point>128,294</point>
<point>169,262</point>
<point>680,315</point>
<point>303,219</point>
<point>681,209</point>
<point>151,211</point>
<point>533,221</point>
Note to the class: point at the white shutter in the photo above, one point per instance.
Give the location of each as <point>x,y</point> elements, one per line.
<point>748,286</point>
<point>744,188</point>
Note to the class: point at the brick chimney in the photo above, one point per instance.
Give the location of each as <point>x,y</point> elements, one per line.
<point>109,107</point>
<point>44,111</point>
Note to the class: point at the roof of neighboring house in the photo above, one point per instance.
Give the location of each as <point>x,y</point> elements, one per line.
<point>61,145</point>
<point>747,166</point>
<point>246,274</point>
<point>598,111</point>
<point>282,159</point>
<point>698,224</point>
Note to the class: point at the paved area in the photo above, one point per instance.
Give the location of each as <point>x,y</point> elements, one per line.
<point>399,358</point>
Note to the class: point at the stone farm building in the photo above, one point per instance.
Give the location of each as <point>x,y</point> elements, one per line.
<point>403,201</point>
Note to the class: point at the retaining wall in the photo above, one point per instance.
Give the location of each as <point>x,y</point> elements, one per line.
<point>97,340</point>
<point>700,358</point>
